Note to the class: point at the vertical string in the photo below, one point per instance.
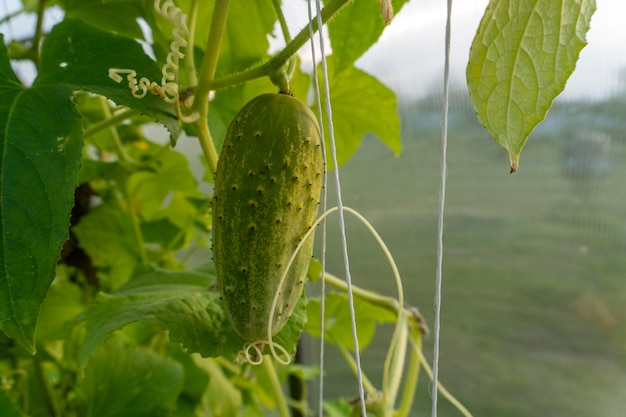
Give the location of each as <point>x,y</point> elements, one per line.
<point>342,227</point>
<point>318,99</point>
<point>442,200</point>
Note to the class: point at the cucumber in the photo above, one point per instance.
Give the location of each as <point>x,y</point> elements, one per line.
<point>267,190</point>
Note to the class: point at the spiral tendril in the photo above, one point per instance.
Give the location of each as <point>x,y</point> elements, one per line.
<point>168,90</point>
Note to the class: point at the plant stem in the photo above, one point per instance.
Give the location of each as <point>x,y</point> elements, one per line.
<point>51,403</point>
<point>388,303</point>
<point>281,19</point>
<point>109,122</point>
<point>190,65</point>
<point>352,364</point>
<point>281,58</point>
<point>279,396</point>
<point>212,51</point>
<point>412,375</point>
<point>443,391</point>
<point>207,72</point>
<point>119,147</point>
<point>38,31</point>
<point>134,219</point>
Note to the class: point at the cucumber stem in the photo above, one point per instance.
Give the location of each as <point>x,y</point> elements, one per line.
<point>279,396</point>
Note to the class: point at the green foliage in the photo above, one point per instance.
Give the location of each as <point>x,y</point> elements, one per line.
<point>520,60</point>
<point>103,225</point>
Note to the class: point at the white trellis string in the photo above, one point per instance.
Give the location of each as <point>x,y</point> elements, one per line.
<point>318,100</point>
<point>442,200</point>
<point>342,226</point>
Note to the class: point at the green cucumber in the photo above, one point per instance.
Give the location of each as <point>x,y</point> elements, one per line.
<point>267,189</point>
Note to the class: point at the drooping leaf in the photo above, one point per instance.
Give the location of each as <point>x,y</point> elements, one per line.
<point>520,59</point>
<point>123,380</point>
<point>355,29</point>
<point>338,324</point>
<point>180,302</point>
<point>360,104</point>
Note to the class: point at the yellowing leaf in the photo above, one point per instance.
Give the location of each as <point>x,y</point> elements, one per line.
<point>521,57</point>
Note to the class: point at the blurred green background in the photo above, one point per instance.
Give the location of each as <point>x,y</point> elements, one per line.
<point>534,291</point>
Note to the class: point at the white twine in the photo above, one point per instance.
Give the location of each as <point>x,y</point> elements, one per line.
<point>318,100</point>
<point>342,227</point>
<point>442,200</point>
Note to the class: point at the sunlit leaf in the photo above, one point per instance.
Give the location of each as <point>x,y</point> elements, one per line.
<point>361,104</point>
<point>520,59</point>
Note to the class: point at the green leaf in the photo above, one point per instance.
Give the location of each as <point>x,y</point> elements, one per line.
<point>40,151</point>
<point>361,104</point>
<point>338,324</point>
<point>8,407</point>
<point>520,59</point>
<point>245,39</point>
<point>222,398</point>
<point>180,302</point>
<point>355,29</point>
<point>79,57</point>
<point>121,19</point>
<point>106,235</point>
<point>129,381</point>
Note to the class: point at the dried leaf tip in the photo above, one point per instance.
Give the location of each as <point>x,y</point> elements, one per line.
<point>386,9</point>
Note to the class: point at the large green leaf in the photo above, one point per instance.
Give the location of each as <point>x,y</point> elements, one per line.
<point>121,19</point>
<point>39,159</point>
<point>129,381</point>
<point>40,151</point>
<point>355,30</point>
<point>361,104</point>
<point>520,59</point>
<point>79,57</point>
<point>180,302</point>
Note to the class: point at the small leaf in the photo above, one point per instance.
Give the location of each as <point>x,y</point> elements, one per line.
<point>361,105</point>
<point>520,59</point>
<point>338,324</point>
<point>129,381</point>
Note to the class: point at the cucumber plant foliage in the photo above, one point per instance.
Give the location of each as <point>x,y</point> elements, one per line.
<point>106,278</point>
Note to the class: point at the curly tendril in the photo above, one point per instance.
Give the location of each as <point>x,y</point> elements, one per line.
<point>168,90</point>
